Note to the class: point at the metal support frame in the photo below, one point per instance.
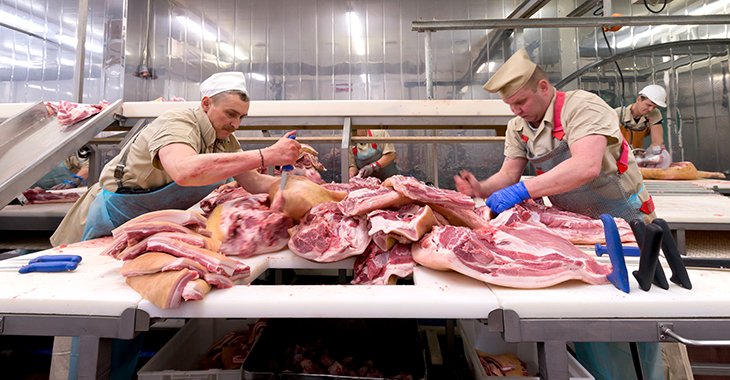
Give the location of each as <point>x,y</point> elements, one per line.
<point>552,334</point>
<point>80,50</point>
<point>429,65</point>
<point>344,150</point>
<point>564,22</point>
<point>95,333</point>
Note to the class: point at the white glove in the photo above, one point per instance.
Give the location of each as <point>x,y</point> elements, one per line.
<point>657,157</point>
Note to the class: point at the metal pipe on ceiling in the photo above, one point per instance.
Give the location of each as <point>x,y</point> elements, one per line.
<point>80,51</point>
<point>563,22</point>
<point>637,51</point>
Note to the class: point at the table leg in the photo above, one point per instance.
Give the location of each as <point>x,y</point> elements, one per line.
<point>553,359</point>
<point>94,358</point>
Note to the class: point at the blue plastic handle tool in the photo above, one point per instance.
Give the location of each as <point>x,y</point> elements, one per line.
<point>620,276</point>
<point>628,250</point>
<point>48,258</point>
<point>284,170</point>
<point>52,266</point>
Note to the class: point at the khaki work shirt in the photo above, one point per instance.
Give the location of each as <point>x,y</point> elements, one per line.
<point>583,114</point>
<point>73,164</point>
<point>635,131</point>
<point>362,147</point>
<point>143,169</point>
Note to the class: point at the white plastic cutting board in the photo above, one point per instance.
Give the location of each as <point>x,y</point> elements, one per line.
<point>435,295</point>
<point>704,209</point>
<point>709,297</point>
<point>94,288</point>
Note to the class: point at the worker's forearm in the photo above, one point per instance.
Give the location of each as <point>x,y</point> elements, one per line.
<point>657,135</point>
<point>496,182</point>
<point>83,173</point>
<point>205,169</point>
<point>386,159</point>
<point>254,182</point>
<point>568,175</point>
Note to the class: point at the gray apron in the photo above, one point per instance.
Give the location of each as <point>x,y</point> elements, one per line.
<point>372,154</point>
<point>603,195</point>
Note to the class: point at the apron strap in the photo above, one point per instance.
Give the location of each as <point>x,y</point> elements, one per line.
<point>557,110</point>
<point>623,161</point>
<point>648,206</point>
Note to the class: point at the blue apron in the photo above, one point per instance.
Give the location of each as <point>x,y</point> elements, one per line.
<point>110,210</point>
<point>372,154</point>
<point>59,174</point>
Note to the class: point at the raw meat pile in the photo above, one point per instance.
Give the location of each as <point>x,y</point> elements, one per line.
<point>316,359</point>
<point>169,256</point>
<point>71,113</point>
<point>232,350</point>
<point>38,195</point>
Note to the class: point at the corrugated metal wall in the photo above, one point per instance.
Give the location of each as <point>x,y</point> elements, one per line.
<point>41,66</point>
<point>359,49</point>
<point>697,119</point>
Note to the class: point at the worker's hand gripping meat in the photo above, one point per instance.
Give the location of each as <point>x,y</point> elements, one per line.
<point>653,157</point>
<point>506,198</point>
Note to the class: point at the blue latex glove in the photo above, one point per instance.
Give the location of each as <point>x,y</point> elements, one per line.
<point>507,197</point>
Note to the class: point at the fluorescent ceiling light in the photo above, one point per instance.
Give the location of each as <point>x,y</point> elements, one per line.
<point>354,28</point>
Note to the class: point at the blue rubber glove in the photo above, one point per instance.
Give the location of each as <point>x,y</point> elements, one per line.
<point>507,197</point>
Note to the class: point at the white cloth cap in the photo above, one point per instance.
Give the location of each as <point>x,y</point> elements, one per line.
<point>221,82</point>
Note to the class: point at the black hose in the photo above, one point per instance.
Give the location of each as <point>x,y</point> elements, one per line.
<point>653,11</point>
<point>621,74</point>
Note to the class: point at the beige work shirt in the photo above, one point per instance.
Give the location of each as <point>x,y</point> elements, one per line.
<point>143,169</point>
<point>583,114</point>
<point>363,147</point>
<point>627,120</point>
<point>74,164</point>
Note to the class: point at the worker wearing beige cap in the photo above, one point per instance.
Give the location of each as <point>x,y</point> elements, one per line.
<point>642,119</point>
<point>175,161</point>
<point>572,139</point>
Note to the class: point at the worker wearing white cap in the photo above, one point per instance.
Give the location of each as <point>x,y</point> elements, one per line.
<point>175,161</point>
<point>573,140</point>
<point>642,119</point>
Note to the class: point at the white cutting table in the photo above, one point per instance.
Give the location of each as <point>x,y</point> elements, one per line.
<point>36,217</point>
<point>95,304</point>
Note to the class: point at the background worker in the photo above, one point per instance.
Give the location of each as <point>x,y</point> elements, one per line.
<point>175,161</point>
<point>642,119</point>
<point>574,142</point>
<point>371,159</point>
<point>70,173</point>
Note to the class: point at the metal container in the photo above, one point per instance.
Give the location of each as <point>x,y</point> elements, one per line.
<point>393,345</point>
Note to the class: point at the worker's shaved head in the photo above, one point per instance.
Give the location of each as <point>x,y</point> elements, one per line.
<point>537,76</point>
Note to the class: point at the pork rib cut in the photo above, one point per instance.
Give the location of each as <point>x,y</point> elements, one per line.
<point>153,262</point>
<point>519,256</point>
<point>419,191</point>
<point>214,262</point>
<point>576,228</point>
<point>326,235</point>
<point>376,266</point>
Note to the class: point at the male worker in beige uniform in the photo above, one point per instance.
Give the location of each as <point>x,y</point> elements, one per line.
<point>574,142</point>
<point>642,119</point>
<point>373,159</point>
<point>175,161</point>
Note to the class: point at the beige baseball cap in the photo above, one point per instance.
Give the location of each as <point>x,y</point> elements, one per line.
<point>512,76</point>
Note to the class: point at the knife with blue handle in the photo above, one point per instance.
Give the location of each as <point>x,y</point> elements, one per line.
<point>285,169</point>
<point>48,258</point>
<point>50,266</point>
<point>628,250</point>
